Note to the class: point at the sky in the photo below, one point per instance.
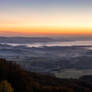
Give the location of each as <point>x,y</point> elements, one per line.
<point>48,17</point>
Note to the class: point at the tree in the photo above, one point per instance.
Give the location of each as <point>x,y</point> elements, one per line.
<point>5,86</point>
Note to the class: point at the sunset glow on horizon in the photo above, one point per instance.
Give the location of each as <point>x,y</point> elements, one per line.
<point>21,17</point>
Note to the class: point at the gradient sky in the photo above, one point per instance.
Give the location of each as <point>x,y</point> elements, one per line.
<point>28,17</point>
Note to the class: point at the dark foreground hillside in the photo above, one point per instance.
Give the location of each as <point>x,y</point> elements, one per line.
<point>15,79</point>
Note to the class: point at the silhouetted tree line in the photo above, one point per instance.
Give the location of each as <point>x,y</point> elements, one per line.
<point>15,79</point>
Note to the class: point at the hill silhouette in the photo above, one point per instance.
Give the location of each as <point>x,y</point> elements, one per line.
<point>13,77</point>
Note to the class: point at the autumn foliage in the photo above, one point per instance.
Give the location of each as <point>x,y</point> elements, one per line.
<point>15,79</point>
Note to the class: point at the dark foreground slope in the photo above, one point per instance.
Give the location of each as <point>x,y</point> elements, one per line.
<point>23,81</point>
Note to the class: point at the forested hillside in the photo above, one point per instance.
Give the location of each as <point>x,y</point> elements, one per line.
<point>15,79</point>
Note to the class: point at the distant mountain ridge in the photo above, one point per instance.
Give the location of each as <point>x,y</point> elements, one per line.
<point>25,39</point>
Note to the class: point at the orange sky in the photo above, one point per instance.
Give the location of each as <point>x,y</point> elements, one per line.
<point>45,17</point>
<point>43,24</point>
<point>46,30</point>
